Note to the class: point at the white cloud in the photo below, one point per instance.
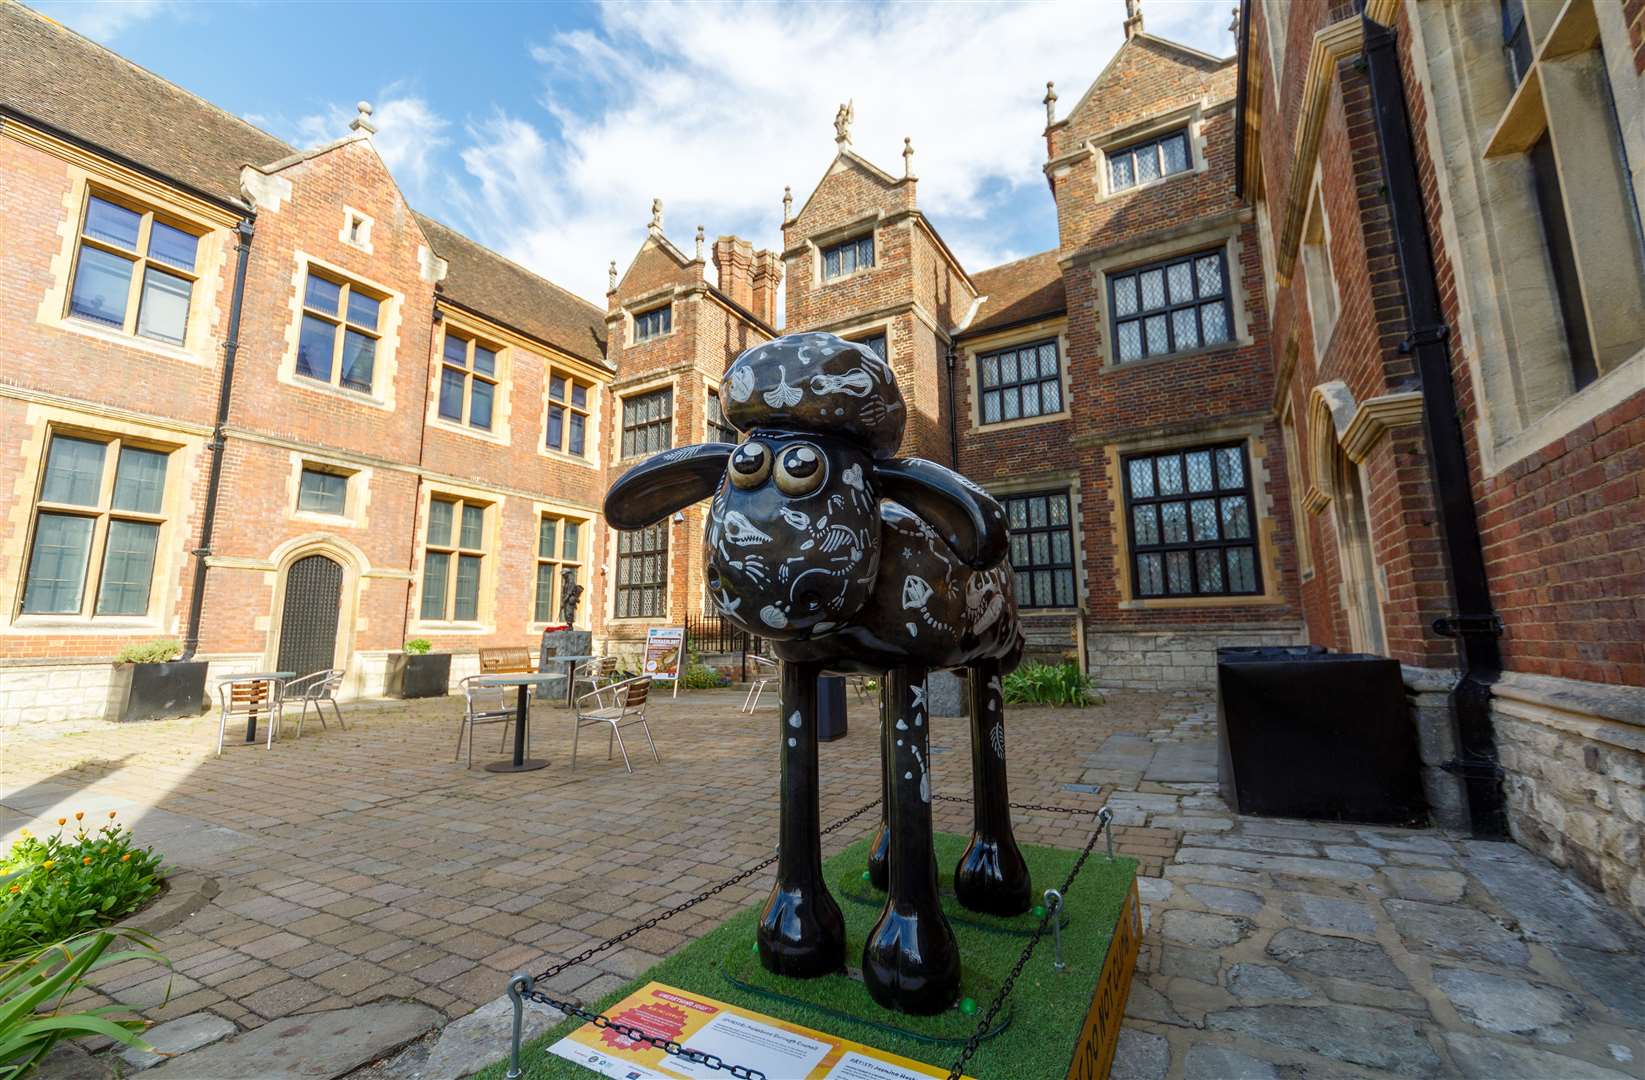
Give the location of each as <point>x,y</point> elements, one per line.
<point>105,20</point>
<point>715,108</point>
<point>410,134</point>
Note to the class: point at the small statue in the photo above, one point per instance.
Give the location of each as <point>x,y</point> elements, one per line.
<point>570,594</point>
<point>842,123</point>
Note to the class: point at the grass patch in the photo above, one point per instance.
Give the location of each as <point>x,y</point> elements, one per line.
<point>1047,1007</point>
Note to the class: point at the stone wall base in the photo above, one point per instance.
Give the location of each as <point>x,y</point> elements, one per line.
<point>1428,697</point>
<point>1184,659</point>
<point>1574,755</point>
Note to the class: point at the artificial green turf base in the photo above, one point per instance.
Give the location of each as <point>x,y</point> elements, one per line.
<point>1046,1011</point>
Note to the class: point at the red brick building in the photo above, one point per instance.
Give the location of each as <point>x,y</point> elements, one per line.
<point>1450,202</point>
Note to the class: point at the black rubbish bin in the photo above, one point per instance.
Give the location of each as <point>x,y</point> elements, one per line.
<point>1307,733</point>
<point>830,708</point>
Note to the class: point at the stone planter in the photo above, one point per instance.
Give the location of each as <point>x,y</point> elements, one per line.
<point>157,691</point>
<point>418,675</point>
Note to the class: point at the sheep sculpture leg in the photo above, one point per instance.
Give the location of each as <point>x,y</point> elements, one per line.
<point>879,851</point>
<point>991,876</point>
<point>801,931</point>
<point>911,962</point>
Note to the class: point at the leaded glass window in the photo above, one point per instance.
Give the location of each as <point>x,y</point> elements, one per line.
<point>848,257</point>
<point>1171,306</point>
<point>1042,549</point>
<point>642,572</point>
<point>1191,525</point>
<point>653,323</point>
<point>648,422</point>
<point>1153,159</point>
<point>1020,382</point>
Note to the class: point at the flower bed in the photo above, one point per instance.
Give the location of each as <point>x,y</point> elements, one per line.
<point>54,887</point>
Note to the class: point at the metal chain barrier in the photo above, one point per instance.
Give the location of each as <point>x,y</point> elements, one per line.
<point>523,987</point>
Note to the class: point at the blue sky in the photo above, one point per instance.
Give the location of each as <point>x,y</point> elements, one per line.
<point>544,130</point>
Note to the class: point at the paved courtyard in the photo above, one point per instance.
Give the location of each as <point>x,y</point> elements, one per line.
<point>355,867</point>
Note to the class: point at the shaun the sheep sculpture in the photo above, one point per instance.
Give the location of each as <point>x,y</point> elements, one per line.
<point>802,550</point>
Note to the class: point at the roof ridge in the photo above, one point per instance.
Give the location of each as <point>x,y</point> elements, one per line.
<point>494,253</point>
<point>140,69</point>
<point>1020,259</point>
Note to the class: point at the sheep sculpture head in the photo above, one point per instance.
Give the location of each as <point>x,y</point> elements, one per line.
<point>848,558</point>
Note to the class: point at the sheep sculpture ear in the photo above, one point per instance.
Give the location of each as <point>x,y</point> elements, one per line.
<point>968,518</point>
<point>670,481</point>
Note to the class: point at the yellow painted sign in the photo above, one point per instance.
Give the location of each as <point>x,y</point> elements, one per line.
<point>1094,1053</point>
<point>780,1050</point>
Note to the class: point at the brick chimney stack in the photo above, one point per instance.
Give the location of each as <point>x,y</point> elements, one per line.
<point>734,260</point>
<point>768,277</point>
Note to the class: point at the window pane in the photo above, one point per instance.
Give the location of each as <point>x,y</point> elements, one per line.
<point>1031,400</point>
<point>1204,513</point>
<point>1024,589</point>
<point>1147,163</point>
<point>1185,328</point>
<point>1043,596</point>
<point>322,492</point>
<point>991,407</point>
<point>991,371</point>
<point>451,393</point>
<point>1019,550</point>
<point>1177,576</point>
<point>163,312</point>
<point>485,361</point>
<point>556,427</point>
<point>128,568</point>
<point>1058,505</point>
<point>1174,522</point>
<point>1236,523</point>
<point>314,345</point>
<point>831,263</point>
<point>1180,279</point>
<point>57,564</point>
<point>1039,548</point>
<point>1142,477</point>
<point>359,357</point>
<point>102,284</point>
<point>1170,474</point>
<point>1214,318</point>
<point>578,421</point>
<point>1130,340</point>
<point>436,568</point>
<point>1125,296</point>
<point>1210,570</point>
<point>876,345</point>
<point>1009,373</point>
<point>322,295</point>
<point>140,480</point>
<point>173,246</point>
<point>467,605</point>
<point>1150,575</point>
<point>1242,572</point>
<point>556,388</point>
<point>579,396</point>
<point>1152,284</point>
<point>1157,340</point>
<point>548,537</point>
<point>546,573</point>
<point>1065,588</point>
<point>74,471</point>
<point>1048,359</point>
<point>1028,364</point>
<point>440,514</point>
<point>473,533</point>
<point>1145,525</point>
<point>1037,512</point>
<point>1209,270</point>
<point>1062,547</point>
<point>1175,152</point>
<point>1199,470</point>
<point>573,533</point>
<point>363,309</point>
<point>1017,513</point>
<point>1230,467</point>
<point>1119,172</point>
<point>456,350</point>
<point>1050,397</point>
<point>1012,404</point>
<point>479,404</point>
<point>112,223</point>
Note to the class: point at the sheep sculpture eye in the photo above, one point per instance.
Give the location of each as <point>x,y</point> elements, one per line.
<point>799,470</point>
<point>750,465</point>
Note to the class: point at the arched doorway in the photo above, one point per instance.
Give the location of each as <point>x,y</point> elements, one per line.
<point>308,615</point>
<point>1359,584</point>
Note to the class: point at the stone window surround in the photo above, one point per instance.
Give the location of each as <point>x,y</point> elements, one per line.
<point>669,381</point>
<point>1487,319</point>
<point>584,561</point>
<point>1225,232</point>
<point>89,176</point>
<point>1062,480</point>
<point>356,498</point>
<point>356,223</point>
<point>496,505</point>
<point>1190,118</point>
<point>499,432</point>
<point>590,457</point>
<point>176,510</point>
<point>645,305</point>
<point>1302,522</point>
<point>858,332</point>
<point>1262,507</point>
<point>839,234</point>
<point>1050,329</point>
<point>384,363</point>
<point>1319,271</point>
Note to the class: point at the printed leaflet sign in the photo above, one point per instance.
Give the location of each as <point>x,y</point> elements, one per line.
<point>663,646</point>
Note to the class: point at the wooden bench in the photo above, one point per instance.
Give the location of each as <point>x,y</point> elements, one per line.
<point>507,661</point>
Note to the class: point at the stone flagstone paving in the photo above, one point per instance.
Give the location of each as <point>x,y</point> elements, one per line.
<point>363,866</point>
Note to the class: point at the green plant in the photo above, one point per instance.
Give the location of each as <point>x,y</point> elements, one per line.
<point>1048,684</point>
<point>417,646</point>
<point>34,987</point>
<point>702,677</point>
<point>158,651</point>
<point>54,887</point>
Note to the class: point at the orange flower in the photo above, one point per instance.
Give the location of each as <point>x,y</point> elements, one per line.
<point>126,857</point>
<point>86,861</point>
<point>62,821</point>
<point>17,888</point>
<point>78,814</point>
<point>111,815</point>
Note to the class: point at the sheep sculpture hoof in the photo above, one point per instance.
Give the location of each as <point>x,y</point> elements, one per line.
<point>849,559</point>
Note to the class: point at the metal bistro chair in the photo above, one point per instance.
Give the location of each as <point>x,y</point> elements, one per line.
<point>598,675</point>
<point>317,689</point>
<point>765,669</point>
<point>246,698</point>
<point>485,705</point>
<point>627,708</point>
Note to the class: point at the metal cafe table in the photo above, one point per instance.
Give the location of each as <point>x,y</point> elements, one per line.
<point>524,681</point>
<point>278,678</point>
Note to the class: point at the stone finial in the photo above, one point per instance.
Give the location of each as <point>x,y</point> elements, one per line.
<point>908,157</point>
<point>656,215</point>
<point>1133,18</point>
<point>842,124</point>
<point>788,203</point>
<point>611,277</point>
<point>362,118</point>
<point>1233,24</point>
<point>1050,103</point>
<point>699,243</point>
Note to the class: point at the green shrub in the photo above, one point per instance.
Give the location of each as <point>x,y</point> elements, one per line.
<point>417,646</point>
<point>1048,684</point>
<point>55,887</point>
<point>34,987</point>
<point>702,677</point>
<point>158,651</point>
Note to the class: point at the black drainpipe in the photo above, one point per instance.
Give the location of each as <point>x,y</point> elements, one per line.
<point>197,590</point>
<point>953,421</point>
<point>1476,627</point>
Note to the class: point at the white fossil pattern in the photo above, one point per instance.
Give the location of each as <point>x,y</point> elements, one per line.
<point>742,384</point>
<point>855,382</point>
<point>782,395</point>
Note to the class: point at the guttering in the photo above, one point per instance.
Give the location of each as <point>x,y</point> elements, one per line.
<point>1241,98</point>
<point>1475,627</point>
<point>953,420</point>
<point>197,588</point>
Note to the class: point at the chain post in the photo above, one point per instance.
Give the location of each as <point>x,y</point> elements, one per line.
<point>518,986</point>
<point>1053,907</point>
<point>1104,816</point>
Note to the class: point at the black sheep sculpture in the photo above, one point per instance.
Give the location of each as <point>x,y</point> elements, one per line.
<point>849,559</point>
